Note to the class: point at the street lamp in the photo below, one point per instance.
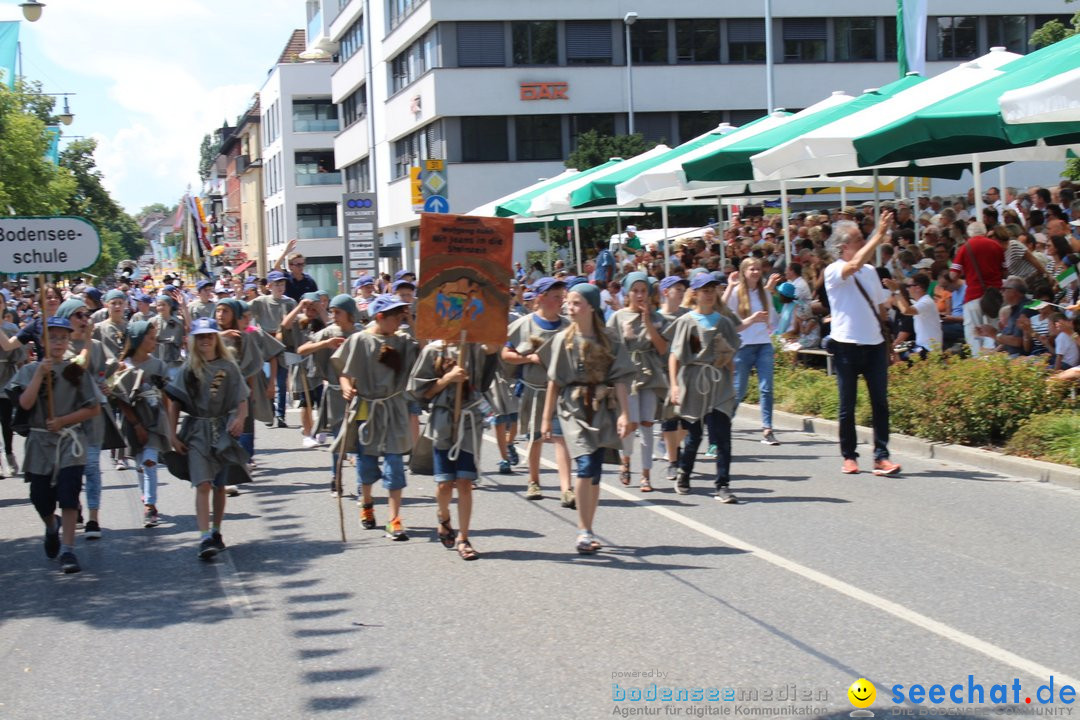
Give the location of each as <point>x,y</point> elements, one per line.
<point>31,10</point>
<point>629,19</point>
<point>67,116</point>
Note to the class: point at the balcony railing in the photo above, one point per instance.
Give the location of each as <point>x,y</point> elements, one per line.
<point>324,178</point>
<point>317,232</point>
<point>309,125</point>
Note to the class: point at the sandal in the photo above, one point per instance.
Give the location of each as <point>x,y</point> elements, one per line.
<point>646,486</point>
<point>447,535</point>
<point>465,550</point>
<point>624,476</point>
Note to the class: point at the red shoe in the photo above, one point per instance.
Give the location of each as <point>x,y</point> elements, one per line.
<point>850,467</point>
<point>886,467</point>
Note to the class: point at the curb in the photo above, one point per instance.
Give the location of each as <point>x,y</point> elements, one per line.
<point>998,463</point>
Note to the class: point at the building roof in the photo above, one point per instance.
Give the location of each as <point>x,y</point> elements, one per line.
<point>296,45</point>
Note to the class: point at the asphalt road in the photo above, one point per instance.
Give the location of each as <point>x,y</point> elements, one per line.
<point>816,580</point>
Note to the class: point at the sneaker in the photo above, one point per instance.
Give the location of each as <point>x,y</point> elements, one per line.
<point>396,531</point>
<point>723,494</point>
<point>232,490</point>
<point>52,541</point>
<point>884,466</point>
<point>320,438</point>
<point>219,543</point>
<point>121,464</point>
<point>569,501</point>
<point>69,563</point>
<point>710,454</point>
<point>585,544</point>
<point>533,492</point>
<point>309,442</point>
<point>512,455</point>
<point>661,450</point>
<point>93,530</point>
<point>150,516</point>
<point>850,466</point>
<point>12,463</point>
<point>682,482</point>
<point>367,516</point>
<point>671,473</point>
<point>79,522</point>
<point>207,549</point>
<point>281,423</point>
<point>504,468</point>
<point>767,438</point>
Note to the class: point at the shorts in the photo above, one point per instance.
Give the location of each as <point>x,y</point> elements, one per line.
<point>415,408</point>
<point>590,466</point>
<point>447,470</point>
<point>45,496</point>
<point>219,480</point>
<point>670,425</point>
<point>392,472</point>
<point>556,429</point>
<point>508,419</point>
<point>315,393</point>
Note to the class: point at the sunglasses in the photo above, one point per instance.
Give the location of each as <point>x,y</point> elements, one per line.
<point>80,315</point>
<point>297,264</point>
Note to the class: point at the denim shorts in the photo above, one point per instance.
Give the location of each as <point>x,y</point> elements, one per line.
<point>447,470</point>
<point>392,472</point>
<point>45,496</point>
<point>415,408</point>
<point>508,419</point>
<point>670,425</point>
<point>556,428</point>
<point>590,466</point>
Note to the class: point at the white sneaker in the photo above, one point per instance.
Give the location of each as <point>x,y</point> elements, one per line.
<point>309,442</point>
<point>661,450</point>
<point>320,438</point>
<point>121,464</point>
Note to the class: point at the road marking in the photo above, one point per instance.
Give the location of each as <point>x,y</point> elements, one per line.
<point>876,601</point>
<point>232,585</point>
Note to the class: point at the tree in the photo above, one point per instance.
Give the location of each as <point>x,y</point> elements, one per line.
<point>155,209</point>
<point>208,152</point>
<point>595,149</point>
<point>30,184</point>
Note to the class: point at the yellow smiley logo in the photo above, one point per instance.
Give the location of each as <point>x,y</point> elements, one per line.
<point>862,693</point>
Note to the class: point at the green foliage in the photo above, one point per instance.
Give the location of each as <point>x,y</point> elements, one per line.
<point>1054,31</point>
<point>156,209</point>
<point>29,183</point>
<point>208,152</point>
<point>595,149</point>
<point>1054,437</point>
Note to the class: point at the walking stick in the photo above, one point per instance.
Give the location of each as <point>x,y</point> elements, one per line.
<point>337,487</point>
<point>460,386</point>
<point>45,344</point>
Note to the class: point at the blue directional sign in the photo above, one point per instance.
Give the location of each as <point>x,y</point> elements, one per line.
<point>436,204</point>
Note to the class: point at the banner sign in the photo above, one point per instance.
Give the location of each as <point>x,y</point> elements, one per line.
<point>360,217</point>
<point>9,49</point>
<point>465,269</point>
<point>58,244</point>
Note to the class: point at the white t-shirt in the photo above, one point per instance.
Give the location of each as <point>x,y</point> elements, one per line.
<point>802,289</point>
<point>758,333</point>
<point>853,320</point>
<point>927,324</point>
<point>1066,347</point>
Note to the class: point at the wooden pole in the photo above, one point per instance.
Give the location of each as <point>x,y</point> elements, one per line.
<point>45,344</point>
<point>337,484</point>
<point>460,386</point>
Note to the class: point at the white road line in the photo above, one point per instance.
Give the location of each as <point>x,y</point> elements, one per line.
<point>232,585</point>
<point>876,601</point>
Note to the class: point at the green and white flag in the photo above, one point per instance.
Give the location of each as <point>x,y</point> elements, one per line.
<point>1068,277</point>
<point>1035,305</point>
<point>911,36</point>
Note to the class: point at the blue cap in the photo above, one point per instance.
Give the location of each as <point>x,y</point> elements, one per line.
<point>59,322</point>
<point>274,276</point>
<point>545,284</point>
<point>93,294</point>
<point>363,280</point>
<point>671,281</point>
<point>385,303</point>
<point>574,280</point>
<point>529,295</point>
<point>403,283</point>
<point>787,290</point>
<point>203,284</point>
<point>143,297</point>
<point>703,279</point>
<point>115,294</point>
<point>720,276</point>
<point>400,274</point>
<point>251,286</point>
<point>203,326</point>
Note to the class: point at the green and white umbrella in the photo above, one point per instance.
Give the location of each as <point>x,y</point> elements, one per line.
<point>1054,100</point>
<point>517,204</point>
<point>560,198</point>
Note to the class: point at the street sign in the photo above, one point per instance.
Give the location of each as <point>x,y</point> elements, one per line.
<point>359,214</point>
<point>436,204</point>
<point>47,244</point>
<point>415,191</point>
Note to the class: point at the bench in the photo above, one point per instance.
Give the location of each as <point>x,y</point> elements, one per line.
<point>818,352</point>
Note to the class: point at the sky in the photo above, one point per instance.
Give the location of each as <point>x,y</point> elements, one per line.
<point>151,78</point>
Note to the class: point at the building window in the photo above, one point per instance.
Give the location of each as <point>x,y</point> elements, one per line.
<point>316,220</point>
<point>649,42</point>
<point>535,43</point>
<point>957,37</point>
<point>401,9</point>
<point>856,39</point>
<point>602,123</point>
<point>741,117</point>
<point>484,139</point>
<point>481,44</point>
<point>890,39</point>
<point>539,137</point>
<point>746,40</point>
<point>654,127</point>
<point>412,62</point>
<point>354,107</point>
<point>1009,32</point>
<point>315,168</point>
<point>358,177</point>
<point>697,41</point>
<point>315,116</point>
<point>692,124</point>
<point>352,41</point>
<point>804,40</point>
<point>588,42</point>
<point>426,143</point>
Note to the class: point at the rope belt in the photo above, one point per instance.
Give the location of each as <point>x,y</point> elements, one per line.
<point>477,431</point>
<point>537,411</point>
<point>77,449</point>
<point>709,376</point>
<point>373,407</point>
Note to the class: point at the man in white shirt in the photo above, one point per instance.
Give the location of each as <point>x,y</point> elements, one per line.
<point>922,308</point>
<point>855,298</point>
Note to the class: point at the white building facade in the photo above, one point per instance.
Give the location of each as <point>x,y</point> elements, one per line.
<point>500,90</point>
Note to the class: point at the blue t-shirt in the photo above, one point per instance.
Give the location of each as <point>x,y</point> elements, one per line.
<point>709,322</point>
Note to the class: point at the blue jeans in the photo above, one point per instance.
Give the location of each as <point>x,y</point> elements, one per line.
<point>392,472</point>
<point>92,473</point>
<point>719,428</point>
<point>149,475</point>
<point>282,379</point>
<point>758,356</point>
<point>247,441</point>
<point>589,467</point>
<point>872,362</point>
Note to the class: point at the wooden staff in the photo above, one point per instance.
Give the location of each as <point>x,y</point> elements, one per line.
<point>337,489</point>
<point>45,344</point>
<point>459,389</point>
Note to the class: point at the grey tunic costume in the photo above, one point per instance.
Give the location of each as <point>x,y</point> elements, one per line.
<point>112,336</point>
<point>332,407</point>
<point>170,340</point>
<point>46,453</point>
<point>380,392</point>
<point>139,386</point>
<point>100,368</point>
<point>649,366</point>
<point>669,411</point>
<point>703,386</point>
<point>260,347</point>
<point>11,360</point>
<point>211,402</point>
<point>587,406</point>
<point>294,337</point>
<point>269,313</point>
<point>440,427</point>
<point>526,337</point>
<point>198,309</point>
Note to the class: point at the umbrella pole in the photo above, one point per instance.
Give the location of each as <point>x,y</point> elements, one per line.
<point>723,223</point>
<point>877,211</point>
<point>843,195</point>
<point>667,250</point>
<point>787,224</point>
<point>45,346</point>
<point>1001,186</point>
<point>618,230</point>
<point>579,265</point>
<point>976,176</point>
<point>914,209</point>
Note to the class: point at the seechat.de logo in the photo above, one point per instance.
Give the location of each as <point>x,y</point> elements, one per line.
<point>360,204</point>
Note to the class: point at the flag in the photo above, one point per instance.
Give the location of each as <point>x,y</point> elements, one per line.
<point>1067,278</point>
<point>52,153</point>
<point>911,36</point>
<point>1035,305</point>
<point>9,51</point>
